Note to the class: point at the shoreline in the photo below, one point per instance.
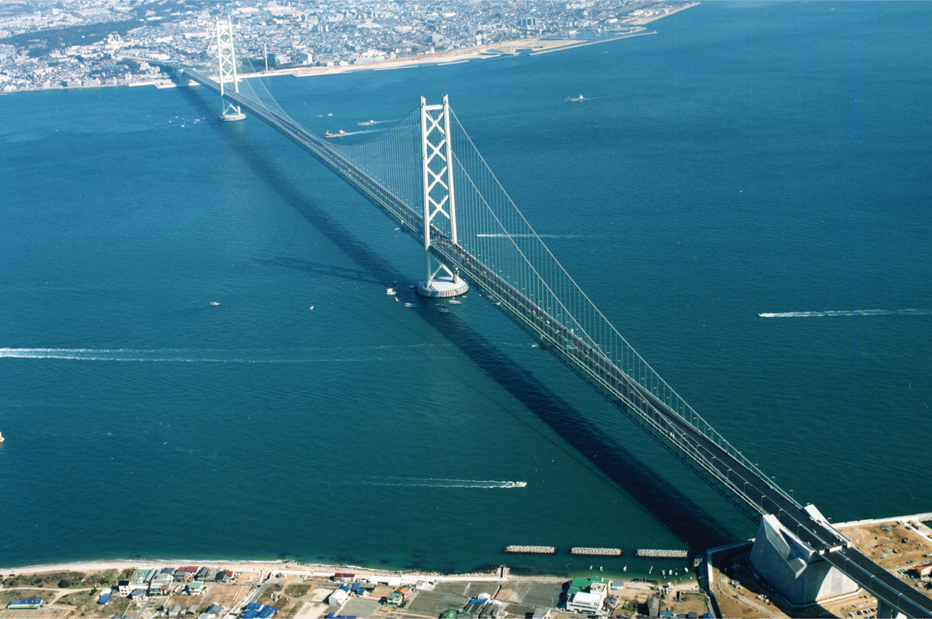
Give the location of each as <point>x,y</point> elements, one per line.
<point>276,566</point>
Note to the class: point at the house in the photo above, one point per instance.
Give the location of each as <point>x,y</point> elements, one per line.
<point>343,577</point>
<point>185,574</point>
<point>196,588</point>
<point>123,587</point>
<point>160,586</point>
<point>137,594</point>
<point>923,570</point>
<point>398,596</point>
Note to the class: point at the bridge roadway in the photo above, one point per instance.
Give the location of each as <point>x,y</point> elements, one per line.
<point>710,456</point>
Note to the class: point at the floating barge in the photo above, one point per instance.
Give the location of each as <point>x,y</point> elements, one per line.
<point>596,552</point>
<point>660,554</point>
<point>534,550</point>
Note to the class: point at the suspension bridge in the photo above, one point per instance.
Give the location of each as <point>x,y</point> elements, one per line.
<point>427,176</point>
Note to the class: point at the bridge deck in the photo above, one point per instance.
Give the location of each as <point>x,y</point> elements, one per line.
<point>704,453</point>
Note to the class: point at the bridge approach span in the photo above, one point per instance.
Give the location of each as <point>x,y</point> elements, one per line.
<point>710,456</point>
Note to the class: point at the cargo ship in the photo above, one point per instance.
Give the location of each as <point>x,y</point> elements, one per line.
<point>338,134</point>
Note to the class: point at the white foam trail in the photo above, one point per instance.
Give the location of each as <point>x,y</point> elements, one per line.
<point>833,313</point>
<point>211,356</point>
<point>529,236</point>
<point>430,482</point>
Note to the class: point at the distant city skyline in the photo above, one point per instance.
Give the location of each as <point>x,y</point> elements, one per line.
<point>75,43</point>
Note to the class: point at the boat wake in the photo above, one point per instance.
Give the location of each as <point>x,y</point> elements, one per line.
<point>529,236</point>
<point>432,482</point>
<point>833,313</point>
<point>350,354</point>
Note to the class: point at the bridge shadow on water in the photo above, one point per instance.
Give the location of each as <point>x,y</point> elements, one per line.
<point>677,512</point>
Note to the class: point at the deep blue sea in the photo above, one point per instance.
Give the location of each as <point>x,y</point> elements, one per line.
<point>745,194</point>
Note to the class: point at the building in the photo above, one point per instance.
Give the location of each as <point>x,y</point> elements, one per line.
<point>339,596</point>
<point>587,595</point>
<point>398,596</point>
<point>24,604</point>
<point>923,570</point>
<point>196,588</point>
<point>585,602</point>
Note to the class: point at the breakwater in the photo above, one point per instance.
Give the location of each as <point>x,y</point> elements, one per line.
<point>535,550</point>
<point>596,552</point>
<point>654,553</point>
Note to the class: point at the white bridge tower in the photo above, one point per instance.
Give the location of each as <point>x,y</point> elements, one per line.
<point>227,59</point>
<point>437,171</point>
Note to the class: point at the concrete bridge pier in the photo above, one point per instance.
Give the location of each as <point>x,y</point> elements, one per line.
<point>885,611</point>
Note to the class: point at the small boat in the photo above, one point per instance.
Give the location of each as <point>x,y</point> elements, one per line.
<point>574,99</point>
<point>410,304</point>
<point>338,134</point>
<point>214,303</point>
<point>624,569</point>
<point>311,308</point>
<point>1,437</point>
<point>517,484</point>
<point>443,310</point>
<point>390,292</point>
<point>365,123</point>
<point>455,302</point>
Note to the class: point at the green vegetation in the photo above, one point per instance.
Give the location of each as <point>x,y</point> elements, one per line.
<point>72,35</point>
<point>297,591</point>
<point>79,599</point>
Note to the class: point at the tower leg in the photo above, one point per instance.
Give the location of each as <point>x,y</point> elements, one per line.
<point>226,57</point>
<point>437,178</point>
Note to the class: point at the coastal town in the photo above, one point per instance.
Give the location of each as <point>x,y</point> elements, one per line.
<point>47,44</point>
<point>737,580</point>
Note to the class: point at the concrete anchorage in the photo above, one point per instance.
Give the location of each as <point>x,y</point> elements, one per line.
<point>799,573</point>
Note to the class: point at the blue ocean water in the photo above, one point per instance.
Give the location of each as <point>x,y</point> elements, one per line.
<point>744,194</point>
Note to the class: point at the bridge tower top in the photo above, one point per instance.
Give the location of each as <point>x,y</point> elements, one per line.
<point>439,199</point>
<point>227,64</point>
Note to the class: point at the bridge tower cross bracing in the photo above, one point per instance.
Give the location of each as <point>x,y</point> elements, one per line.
<point>439,197</point>
<point>227,63</point>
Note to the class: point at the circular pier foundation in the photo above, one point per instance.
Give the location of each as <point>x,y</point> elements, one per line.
<point>442,288</point>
